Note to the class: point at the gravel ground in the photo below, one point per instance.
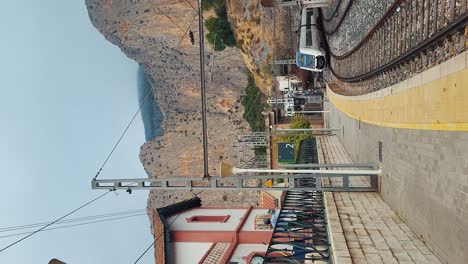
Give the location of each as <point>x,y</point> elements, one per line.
<point>450,48</point>
<point>328,11</point>
<point>362,16</point>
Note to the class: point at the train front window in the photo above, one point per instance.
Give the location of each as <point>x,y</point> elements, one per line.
<point>309,61</point>
<point>320,62</point>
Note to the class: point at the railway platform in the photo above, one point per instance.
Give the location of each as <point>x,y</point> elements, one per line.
<point>362,227</point>
<point>417,131</point>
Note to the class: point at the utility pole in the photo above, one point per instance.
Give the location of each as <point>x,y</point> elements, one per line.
<point>203,88</point>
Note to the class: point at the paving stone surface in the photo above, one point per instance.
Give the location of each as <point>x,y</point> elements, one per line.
<point>363,228</point>
<point>330,151</point>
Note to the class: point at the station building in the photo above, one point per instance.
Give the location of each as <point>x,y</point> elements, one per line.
<point>188,233</point>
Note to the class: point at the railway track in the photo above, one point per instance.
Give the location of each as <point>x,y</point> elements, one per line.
<point>412,36</point>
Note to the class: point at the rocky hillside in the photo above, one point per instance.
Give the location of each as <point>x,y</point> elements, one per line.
<point>154,33</point>
<point>263,34</point>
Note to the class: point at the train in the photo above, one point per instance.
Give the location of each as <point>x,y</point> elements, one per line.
<point>310,54</point>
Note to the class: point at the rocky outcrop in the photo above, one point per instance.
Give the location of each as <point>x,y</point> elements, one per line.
<point>154,33</point>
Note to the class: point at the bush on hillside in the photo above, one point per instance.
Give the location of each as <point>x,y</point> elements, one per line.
<point>253,102</point>
<point>208,4</point>
<point>218,27</point>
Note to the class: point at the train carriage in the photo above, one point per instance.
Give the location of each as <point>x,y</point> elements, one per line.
<point>310,55</point>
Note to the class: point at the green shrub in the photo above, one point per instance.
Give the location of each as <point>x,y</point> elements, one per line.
<point>253,102</point>
<point>218,27</point>
<point>260,151</point>
<point>299,121</point>
<point>208,4</point>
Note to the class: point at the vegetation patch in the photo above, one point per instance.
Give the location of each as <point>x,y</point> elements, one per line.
<point>220,33</point>
<point>254,104</point>
<point>299,121</point>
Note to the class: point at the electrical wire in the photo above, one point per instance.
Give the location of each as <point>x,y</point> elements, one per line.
<point>188,28</point>
<point>190,4</point>
<point>168,17</point>
<point>71,220</point>
<point>97,174</point>
<point>189,164</point>
<point>154,241</point>
<point>123,134</point>
<point>79,224</point>
<point>44,228</point>
<point>53,222</point>
<point>196,14</point>
<point>251,106</point>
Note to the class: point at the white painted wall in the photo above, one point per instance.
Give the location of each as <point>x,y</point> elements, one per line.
<point>182,224</point>
<point>187,252</point>
<point>250,223</point>
<point>244,250</point>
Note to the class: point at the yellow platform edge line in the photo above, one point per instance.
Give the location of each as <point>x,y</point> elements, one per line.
<point>334,98</point>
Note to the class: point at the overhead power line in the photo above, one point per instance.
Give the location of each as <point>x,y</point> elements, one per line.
<point>71,220</point>
<point>187,30</point>
<point>79,224</point>
<point>188,2</point>
<point>123,134</point>
<point>55,221</point>
<point>168,17</point>
<point>154,241</point>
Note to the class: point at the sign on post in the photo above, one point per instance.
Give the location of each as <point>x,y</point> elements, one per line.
<point>286,152</point>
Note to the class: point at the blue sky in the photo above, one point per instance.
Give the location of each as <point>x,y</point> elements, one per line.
<point>66,95</point>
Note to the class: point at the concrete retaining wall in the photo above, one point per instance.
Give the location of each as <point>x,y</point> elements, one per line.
<point>424,180</point>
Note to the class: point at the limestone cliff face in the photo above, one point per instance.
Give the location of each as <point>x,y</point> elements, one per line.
<point>252,27</point>
<point>153,33</point>
<point>263,34</point>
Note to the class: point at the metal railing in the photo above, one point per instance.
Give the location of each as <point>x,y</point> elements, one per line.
<point>300,232</point>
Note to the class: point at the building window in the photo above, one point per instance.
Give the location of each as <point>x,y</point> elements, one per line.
<point>208,218</point>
